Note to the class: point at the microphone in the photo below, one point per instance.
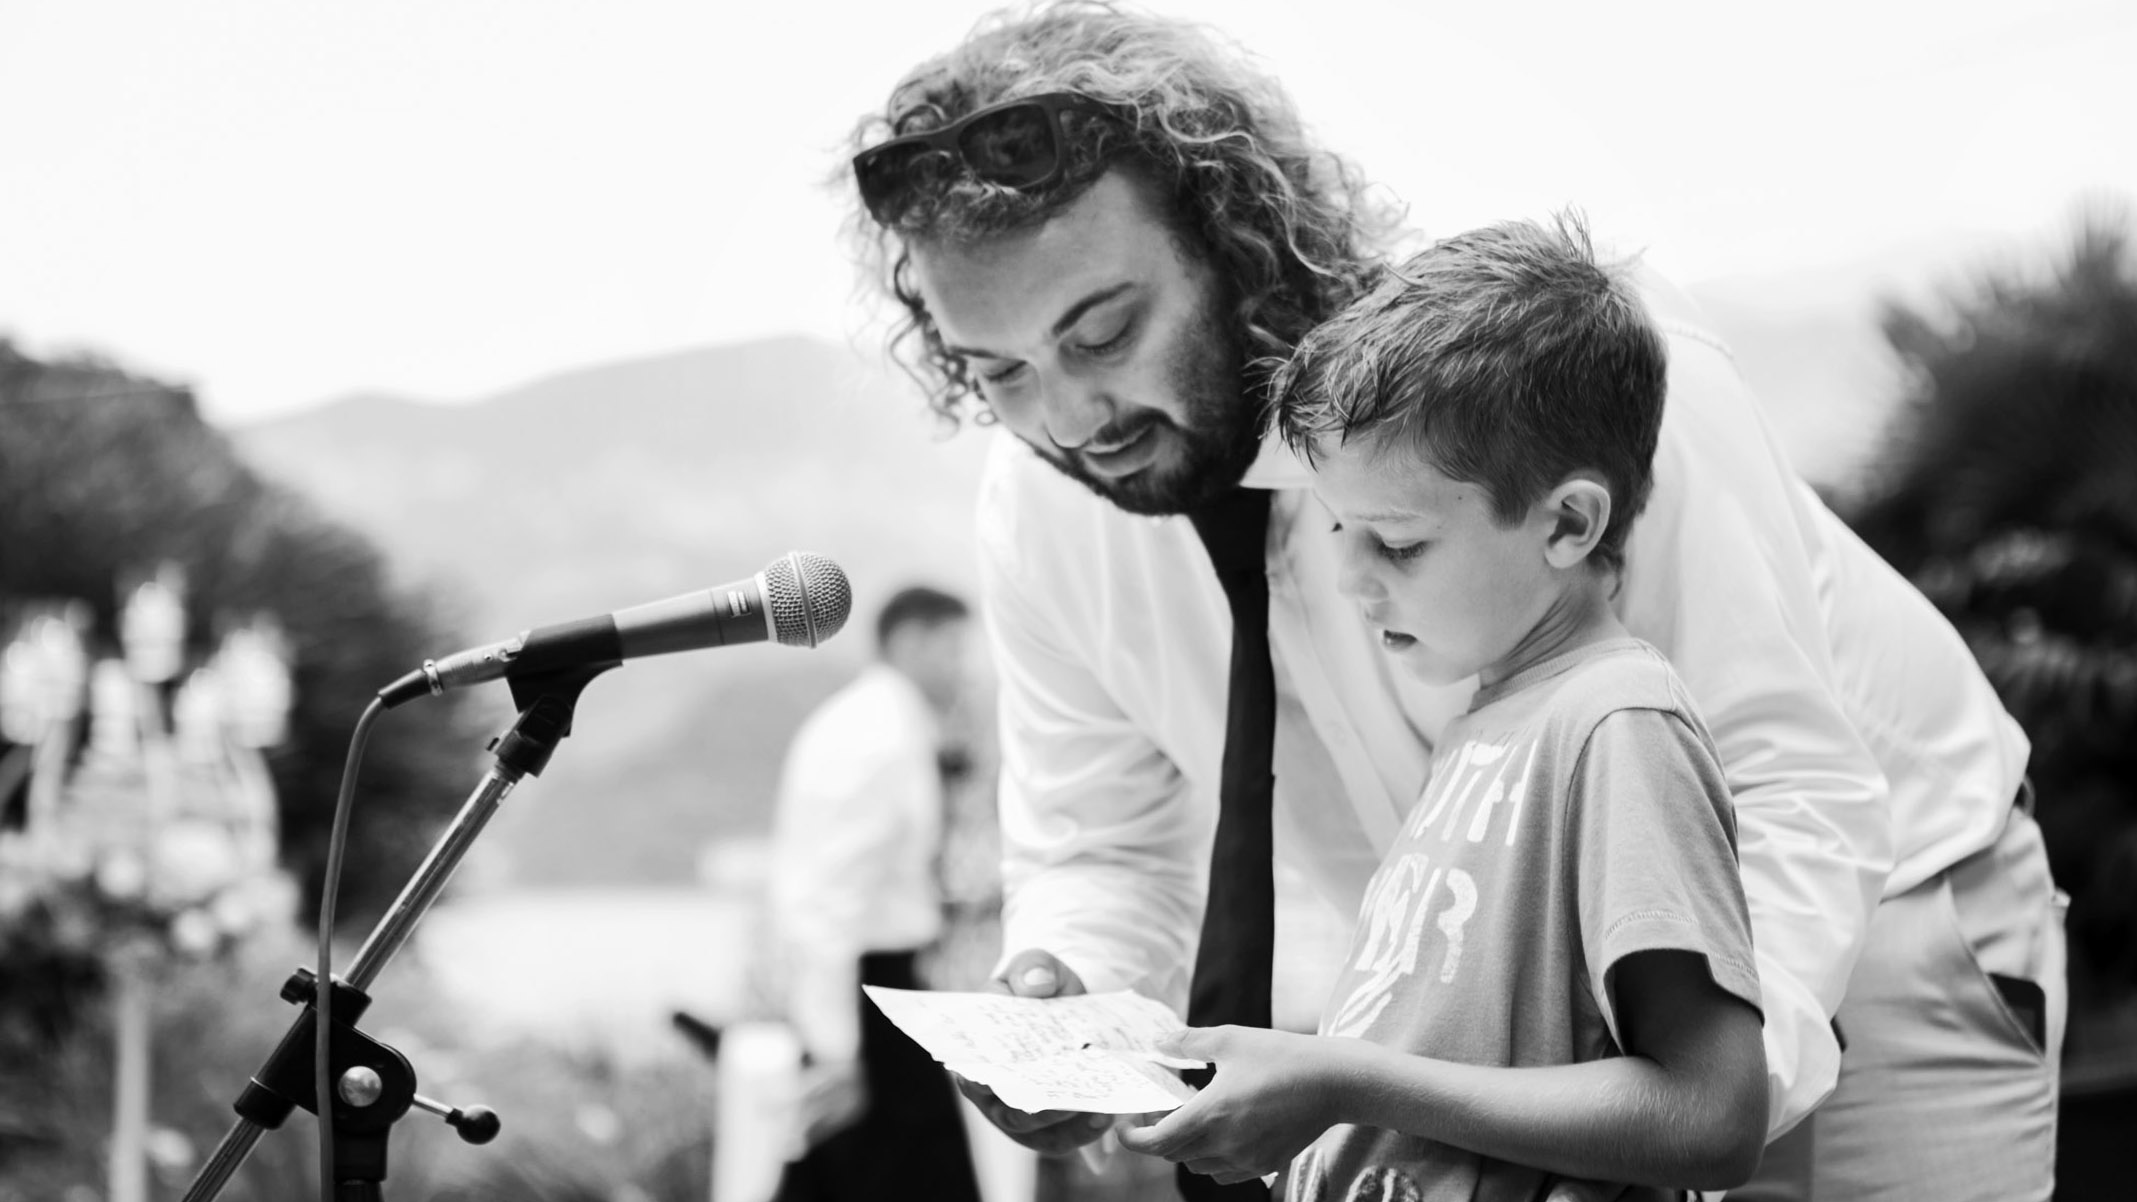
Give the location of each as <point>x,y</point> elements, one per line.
<point>798,600</point>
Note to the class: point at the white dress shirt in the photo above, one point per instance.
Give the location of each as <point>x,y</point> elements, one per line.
<point>1864,749</point>
<point>855,840</point>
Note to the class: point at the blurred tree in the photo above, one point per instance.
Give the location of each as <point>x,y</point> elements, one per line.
<point>103,472</point>
<point>2008,493</point>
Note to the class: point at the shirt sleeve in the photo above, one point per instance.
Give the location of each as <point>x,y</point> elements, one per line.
<point>1723,576</point>
<point>1655,854</point>
<point>1102,855</point>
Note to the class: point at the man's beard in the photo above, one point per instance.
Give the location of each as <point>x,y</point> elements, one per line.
<point>1207,455</point>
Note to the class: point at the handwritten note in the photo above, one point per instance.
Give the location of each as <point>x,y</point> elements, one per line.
<point>1092,1052</point>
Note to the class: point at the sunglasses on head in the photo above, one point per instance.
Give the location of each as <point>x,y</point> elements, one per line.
<point>1018,144</point>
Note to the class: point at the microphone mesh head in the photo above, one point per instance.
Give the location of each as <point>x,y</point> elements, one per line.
<point>809,598</point>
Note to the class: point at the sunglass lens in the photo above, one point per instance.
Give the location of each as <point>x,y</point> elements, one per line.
<point>888,174</point>
<point>1014,147</point>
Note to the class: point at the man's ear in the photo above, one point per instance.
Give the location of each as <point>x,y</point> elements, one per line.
<point>1579,513</point>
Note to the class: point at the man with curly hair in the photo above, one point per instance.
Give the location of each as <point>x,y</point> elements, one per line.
<point>1103,230</point>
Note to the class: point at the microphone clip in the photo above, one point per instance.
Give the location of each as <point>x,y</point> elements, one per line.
<point>547,703</point>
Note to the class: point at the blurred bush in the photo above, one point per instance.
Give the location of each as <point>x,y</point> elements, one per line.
<point>2008,493</point>
<point>103,475</point>
<point>577,1126</point>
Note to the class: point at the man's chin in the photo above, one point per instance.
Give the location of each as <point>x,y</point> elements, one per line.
<point>1175,483</point>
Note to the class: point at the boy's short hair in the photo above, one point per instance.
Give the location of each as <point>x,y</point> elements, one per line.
<point>917,605</point>
<point>1507,357</point>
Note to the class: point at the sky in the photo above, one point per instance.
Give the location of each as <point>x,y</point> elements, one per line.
<point>279,204</point>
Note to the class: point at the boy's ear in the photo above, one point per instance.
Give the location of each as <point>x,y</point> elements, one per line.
<point>1579,511</point>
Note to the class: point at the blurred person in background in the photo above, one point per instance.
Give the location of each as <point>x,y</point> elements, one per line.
<point>1102,229</point>
<point>856,899</point>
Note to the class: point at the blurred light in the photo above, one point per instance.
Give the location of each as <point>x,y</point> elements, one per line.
<point>22,710</point>
<point>170,1150</point>
<point>113,712</point>
<point>194,933</point>
<point>152,627</point>
<point>42,672</point>
<point>252,666</point>
<point>598,1123</point>
<point>122,875</point>
<point>197,717</point>
<point>192,860</point>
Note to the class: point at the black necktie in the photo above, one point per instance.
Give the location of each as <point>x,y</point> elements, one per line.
<point>1231,981</point>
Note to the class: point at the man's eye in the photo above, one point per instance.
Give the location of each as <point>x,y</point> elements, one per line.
<point>1114,343</point>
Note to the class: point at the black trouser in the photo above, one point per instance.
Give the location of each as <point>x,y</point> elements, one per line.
<point>910,1141</point>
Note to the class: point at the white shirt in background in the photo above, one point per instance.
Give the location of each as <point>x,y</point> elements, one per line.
<point>1864,750</point>
<point>855,840</point>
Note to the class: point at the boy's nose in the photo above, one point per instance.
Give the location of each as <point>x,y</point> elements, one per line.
<point>1355,577</point>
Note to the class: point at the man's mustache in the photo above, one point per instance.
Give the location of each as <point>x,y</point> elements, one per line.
<point>1121,430</point>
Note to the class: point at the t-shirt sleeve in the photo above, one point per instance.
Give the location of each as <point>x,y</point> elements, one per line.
<point>1655,842</point>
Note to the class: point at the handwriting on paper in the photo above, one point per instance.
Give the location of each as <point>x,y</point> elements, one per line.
<point>1094,1051</point>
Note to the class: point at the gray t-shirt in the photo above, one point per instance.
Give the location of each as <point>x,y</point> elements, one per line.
<point>1576,814</point>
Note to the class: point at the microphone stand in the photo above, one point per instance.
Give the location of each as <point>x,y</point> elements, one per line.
<point>374,1085</point>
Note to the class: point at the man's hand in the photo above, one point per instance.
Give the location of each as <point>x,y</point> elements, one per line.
<point>834,1095</point>
<point>1034,973</point>
<point>1576,1189</point>
<point>1274,1093</point>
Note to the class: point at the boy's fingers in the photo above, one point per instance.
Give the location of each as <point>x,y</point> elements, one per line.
<point>1147,1140</point>
<point>1167,1137</point>
<point>1194,1043</point>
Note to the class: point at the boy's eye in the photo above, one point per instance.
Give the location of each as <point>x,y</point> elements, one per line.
<point>1392,554</point>
<point>1002,375</point>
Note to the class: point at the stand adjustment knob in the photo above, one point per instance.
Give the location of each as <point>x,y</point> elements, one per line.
<point>361,1086</point>
<point>476,1124</point>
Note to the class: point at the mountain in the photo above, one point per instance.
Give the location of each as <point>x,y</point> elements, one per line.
<point>599,488</point>
<point>1825,376</point>
<point>603,487</point>
<point>1809,342</point>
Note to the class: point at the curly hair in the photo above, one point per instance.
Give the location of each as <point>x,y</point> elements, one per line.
<point>1292,230</point>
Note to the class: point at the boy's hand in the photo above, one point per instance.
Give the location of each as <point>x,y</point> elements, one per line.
<point>1035,973</point>
<point>1274,1093</point>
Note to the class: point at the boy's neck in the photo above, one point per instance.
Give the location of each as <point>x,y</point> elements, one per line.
<point>1580,617</point>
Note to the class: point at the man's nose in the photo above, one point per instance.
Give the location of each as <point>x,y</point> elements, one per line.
<point>1075,408</point>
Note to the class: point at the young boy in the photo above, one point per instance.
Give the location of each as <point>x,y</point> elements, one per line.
<point>1551,975</point>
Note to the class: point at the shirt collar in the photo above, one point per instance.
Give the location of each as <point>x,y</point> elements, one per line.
<point>1277,466</point>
